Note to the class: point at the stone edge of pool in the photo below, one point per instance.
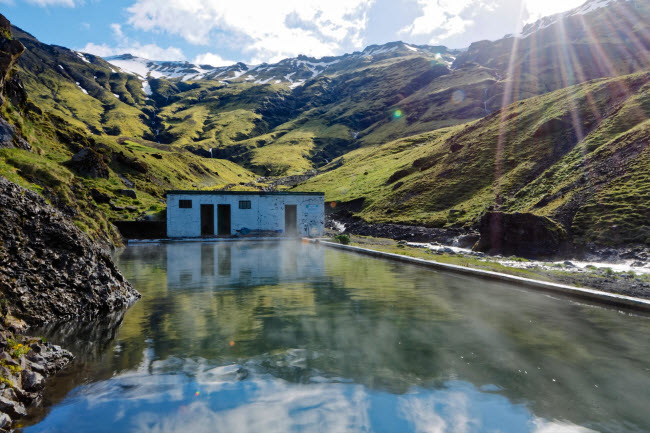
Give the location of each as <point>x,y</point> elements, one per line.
<point>576,292</point>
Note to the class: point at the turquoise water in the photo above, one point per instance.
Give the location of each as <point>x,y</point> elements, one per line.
<point>290,337</point>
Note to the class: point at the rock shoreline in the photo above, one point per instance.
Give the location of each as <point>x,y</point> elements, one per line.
<point>49,271</point>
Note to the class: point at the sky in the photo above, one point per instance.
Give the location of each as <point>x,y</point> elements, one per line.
<point>221,32</point>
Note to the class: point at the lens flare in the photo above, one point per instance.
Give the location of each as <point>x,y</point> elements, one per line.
<point>458,96</point>
<point>333,204</point>
<point>397,114</point>
<point>232,343</point>
<point>196,394</point>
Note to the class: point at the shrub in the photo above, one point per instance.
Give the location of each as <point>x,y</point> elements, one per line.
<point>342,239</point>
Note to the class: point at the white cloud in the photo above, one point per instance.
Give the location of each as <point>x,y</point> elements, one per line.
<point>541,8</point>
<point>443,18</point>
<point>43,3</point>
<point>149,51</point>
<point>117,30</point>
<point>269,30</point>
<point>212,59</point>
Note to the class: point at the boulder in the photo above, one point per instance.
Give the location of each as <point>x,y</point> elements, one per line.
<point>100,197</point>
<point>519,234</point>
<point>33,381</point>
<point>128,193</point>
<point>12,408</point>
<point>89,163</point>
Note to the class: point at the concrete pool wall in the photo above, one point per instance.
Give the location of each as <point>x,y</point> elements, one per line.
<point>612,299</point>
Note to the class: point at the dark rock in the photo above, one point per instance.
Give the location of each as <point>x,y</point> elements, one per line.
<point>9,138</point>
<point>10,50</point>
<point>127,183</point>
<point>33,381</point>
<point>131,163</point>
<point>131,208</point>
<point>467,241</point>
<point>12,408</point>
<point>519,234</point>
<point>89,163</point>
<point>128,193</point>
<point>49,269</point>
<point>99,196</point>
<point>115,207</point>
<point>156,155</point>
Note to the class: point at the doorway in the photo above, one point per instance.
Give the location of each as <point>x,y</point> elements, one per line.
<point>290,220</point>
<point>207,220</point>
<point>223,218</point>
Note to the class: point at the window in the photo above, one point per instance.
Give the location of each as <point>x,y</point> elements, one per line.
<point>244,204</point>
<point>185,204</point>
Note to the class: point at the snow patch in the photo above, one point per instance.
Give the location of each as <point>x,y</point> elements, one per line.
<point>146,88</point>
<point>82,89</point>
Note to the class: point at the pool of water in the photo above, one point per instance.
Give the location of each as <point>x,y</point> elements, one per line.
<point>292,337</point>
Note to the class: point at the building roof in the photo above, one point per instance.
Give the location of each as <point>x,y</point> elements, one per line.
<point>198,192</point>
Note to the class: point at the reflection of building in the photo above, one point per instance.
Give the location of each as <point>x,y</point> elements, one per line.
<point>230,213</point>
<point>241,264</point>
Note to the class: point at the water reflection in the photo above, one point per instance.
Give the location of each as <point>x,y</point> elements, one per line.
<point>293,337</point>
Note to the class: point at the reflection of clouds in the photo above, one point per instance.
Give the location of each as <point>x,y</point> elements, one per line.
<point>544,426</point>
<point>275,406</point>
<point>445,411</point>
<point>194,395</point>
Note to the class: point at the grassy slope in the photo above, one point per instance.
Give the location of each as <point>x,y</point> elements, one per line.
<point>593,178</point>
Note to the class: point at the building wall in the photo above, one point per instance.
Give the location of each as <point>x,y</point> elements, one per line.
<point>266,213</point>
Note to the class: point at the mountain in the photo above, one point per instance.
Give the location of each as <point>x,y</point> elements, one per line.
<point>417,134</point>
<point>578,155</point>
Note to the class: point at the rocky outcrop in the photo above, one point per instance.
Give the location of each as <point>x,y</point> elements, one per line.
<point>89,163</point>
<point>24,364</point>
<point>519,234</point>
<point>9,138</point>
<point>10,51</point>
<point>49,268</point>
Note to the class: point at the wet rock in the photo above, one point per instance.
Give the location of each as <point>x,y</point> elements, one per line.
<point>89,163</point>
<point>519,234</point>
<point>33,381</point>
<point>5,421</point>
<point>568,264</point>
<point>12,408</point>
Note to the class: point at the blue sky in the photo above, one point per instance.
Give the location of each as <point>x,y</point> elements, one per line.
<point>253,31</point>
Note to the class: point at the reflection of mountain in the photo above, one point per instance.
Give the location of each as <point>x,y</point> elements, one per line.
<point>226,265</point>
<point>394,341</point>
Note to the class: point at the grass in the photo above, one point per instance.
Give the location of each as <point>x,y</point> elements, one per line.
<point>527,158</point>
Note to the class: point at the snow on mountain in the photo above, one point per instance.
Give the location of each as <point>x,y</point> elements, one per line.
<point>584,9</point>
<point>293,71</point>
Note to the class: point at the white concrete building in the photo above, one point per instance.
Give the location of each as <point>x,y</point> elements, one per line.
<point>236,213</point>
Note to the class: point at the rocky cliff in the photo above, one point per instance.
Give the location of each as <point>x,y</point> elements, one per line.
<point>49,271</point>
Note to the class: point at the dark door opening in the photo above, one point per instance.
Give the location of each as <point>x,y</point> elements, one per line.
<point>223,217</point>
<point>290,220</point>
<point>207,219</point>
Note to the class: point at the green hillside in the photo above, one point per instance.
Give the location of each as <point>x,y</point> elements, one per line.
<point>579,155</point>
